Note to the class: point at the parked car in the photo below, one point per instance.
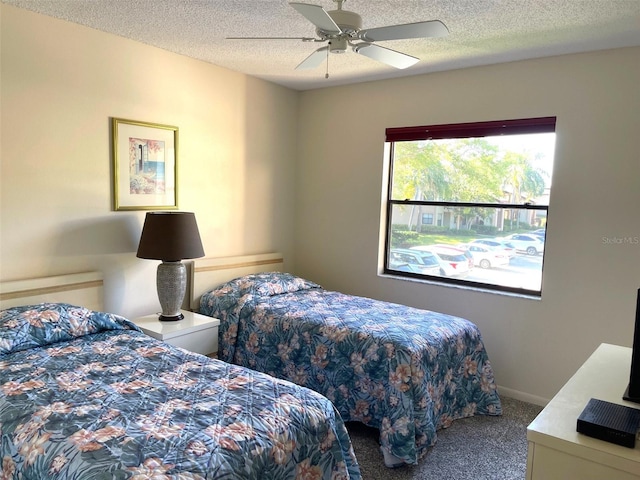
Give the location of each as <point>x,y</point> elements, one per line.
<point>541,232</point>
<point>508,248</point>
<point>486,256</point>
<point>453,261</point>
<point>470,258</point>
<point>415,261</point>
<point>459,246</point>
<point>531,244</point>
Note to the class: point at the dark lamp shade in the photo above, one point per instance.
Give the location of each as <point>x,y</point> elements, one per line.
<point>170,237</point>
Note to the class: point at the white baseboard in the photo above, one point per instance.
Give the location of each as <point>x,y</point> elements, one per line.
<point>522,396</point>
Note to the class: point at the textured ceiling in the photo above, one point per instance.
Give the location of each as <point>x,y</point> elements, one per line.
<point>481,32</point>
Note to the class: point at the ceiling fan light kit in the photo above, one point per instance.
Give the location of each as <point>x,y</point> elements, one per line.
<point>338,45</point>
<point>342,29</point>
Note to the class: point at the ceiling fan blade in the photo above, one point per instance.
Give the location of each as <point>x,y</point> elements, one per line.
<point>314,60</point>
<point>318,16</point>
<point>385,55</point>
<point>432,28</point>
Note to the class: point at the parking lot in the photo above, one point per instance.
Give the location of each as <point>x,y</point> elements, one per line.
<point>523,271</point>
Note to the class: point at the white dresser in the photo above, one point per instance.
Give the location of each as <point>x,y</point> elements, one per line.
<point>557,451</point>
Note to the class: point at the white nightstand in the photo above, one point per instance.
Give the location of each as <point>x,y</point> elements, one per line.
<point>195,332</point>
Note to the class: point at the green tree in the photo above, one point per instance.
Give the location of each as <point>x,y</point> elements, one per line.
<point>419,173</point>
<point>522,181</point>
<point>474,176</point>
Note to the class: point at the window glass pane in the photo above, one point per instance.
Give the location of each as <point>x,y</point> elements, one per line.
<point>427,218</point>
<point>497,169</point>
<point>478,245</point>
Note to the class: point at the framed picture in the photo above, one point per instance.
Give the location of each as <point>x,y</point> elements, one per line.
<point>145,165</point>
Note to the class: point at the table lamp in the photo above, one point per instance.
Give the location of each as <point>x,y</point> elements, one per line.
<point>170,237</point>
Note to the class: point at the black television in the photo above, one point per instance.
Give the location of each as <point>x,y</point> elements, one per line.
<point>632,393</point>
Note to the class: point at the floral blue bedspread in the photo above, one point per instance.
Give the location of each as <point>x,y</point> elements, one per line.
<point>86,395</point>
<point>405,371</point>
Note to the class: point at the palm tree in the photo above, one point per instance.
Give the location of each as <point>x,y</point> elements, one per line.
<point>419,173</point>
<point>522,181</point>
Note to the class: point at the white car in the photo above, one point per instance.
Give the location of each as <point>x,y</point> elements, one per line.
<point>508,249</point>
<point>453,261</point>
<point>416,261</point>
<point>485,256</point>
<point>531,244</point>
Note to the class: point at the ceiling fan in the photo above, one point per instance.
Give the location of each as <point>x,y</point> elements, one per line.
<point>342,29</point>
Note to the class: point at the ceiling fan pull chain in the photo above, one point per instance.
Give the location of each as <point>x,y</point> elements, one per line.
<point>326,75</point>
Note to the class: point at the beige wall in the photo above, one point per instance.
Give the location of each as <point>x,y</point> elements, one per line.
<point>239,141</point>
<point>60,85</point>
<point>589,289</point>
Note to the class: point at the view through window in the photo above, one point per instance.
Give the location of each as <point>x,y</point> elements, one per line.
<point>468,203</point>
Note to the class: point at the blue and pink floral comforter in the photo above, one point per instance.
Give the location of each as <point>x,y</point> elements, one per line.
<point>405,371</point>
<point>86,395</point>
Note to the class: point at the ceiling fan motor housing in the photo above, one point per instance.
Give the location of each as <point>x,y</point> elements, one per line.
<point>349,22</point>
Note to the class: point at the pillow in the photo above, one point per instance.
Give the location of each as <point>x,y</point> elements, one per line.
<point>275,283</point>
<point>30,326</point>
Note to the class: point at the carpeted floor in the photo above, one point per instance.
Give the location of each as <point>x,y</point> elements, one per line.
<point>477,448</point>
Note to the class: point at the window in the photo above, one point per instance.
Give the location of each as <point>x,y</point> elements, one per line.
<point>487,185</point>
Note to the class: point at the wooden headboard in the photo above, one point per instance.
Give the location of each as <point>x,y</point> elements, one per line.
<point>208,273</point>
<point>82,289</point>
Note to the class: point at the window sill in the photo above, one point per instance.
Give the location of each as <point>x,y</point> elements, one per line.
<point>461,287</point>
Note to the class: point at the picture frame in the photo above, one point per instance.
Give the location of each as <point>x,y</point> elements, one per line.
<point>145,165</point>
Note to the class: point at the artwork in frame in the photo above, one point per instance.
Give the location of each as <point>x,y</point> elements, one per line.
<point>145,165</point>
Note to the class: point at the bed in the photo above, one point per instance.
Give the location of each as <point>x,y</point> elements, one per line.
<point>86,395</point>
<point>405,371</point>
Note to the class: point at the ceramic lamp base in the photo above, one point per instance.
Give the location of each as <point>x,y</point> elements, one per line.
<point>171,282</point>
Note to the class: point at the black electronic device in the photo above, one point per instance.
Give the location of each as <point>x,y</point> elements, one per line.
<point>610,422</point>
<point>632,393</point>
